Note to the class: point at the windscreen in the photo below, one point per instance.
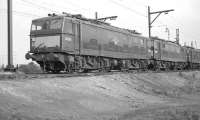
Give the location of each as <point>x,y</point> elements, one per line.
<point>45,42</point>
<point>47,24</point>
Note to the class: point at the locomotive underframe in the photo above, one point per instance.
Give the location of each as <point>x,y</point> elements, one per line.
<point>56,62</point>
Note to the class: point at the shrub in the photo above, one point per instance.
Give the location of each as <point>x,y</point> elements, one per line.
<point>30,68</point>
<point>1,68</point>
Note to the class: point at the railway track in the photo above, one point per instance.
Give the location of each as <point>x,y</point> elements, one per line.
<point>76,74</point>
<point>66,75</point>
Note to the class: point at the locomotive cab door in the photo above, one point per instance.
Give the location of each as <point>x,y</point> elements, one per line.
<point>77,37</point>
<point>157,50</point>
<point>71,37</point>
<point>68,37</point>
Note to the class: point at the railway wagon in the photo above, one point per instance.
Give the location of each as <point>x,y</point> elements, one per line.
<point>69,43</point>
<point>194,58</point>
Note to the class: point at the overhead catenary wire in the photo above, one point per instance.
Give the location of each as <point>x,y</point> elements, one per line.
<point>133,10</point>
<point>48,6</point>
<point>3,54</point>
<point>79,6</point>
<point>26,14</point>
<point>127,8</point>
<point>178,23</point>
<point>75,8</point>
<point>40,6</point>
<point>192,35</point>
<point>136,2</point>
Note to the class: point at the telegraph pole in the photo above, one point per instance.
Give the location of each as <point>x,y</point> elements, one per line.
<point>168,33</point>
<point>150,22</point>
<point>10,66</point>
<point>96,15</point>
<point>177,36</point>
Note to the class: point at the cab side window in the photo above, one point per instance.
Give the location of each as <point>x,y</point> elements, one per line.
<point>68,27</point>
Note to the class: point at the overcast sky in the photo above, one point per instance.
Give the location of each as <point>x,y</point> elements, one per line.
<point>132,14</point>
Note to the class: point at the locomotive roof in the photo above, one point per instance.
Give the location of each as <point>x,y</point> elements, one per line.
<point>189,47</point>
<point>100,24</point>
<point>167,41</point>
<point>90,21</point>
<point>47,18</point>
<point>103,24</point>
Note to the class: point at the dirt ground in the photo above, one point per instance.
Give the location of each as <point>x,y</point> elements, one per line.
<point>122,96</point>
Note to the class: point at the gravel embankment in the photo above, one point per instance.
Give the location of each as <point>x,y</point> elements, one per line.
<point>128,96</point>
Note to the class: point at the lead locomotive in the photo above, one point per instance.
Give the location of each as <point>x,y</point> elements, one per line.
<point>73,43</point>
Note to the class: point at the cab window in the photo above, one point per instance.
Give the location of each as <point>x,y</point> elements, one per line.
<point>68,27</point>
<point>47,24</point>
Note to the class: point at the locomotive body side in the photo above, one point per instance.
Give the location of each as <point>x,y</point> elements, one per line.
<point>169,55</point>
<point>174,53</point>
<point>194,58</point>
<point>111,46</point>
<point>110,42</point>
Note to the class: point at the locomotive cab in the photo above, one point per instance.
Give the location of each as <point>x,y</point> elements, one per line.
<point>46,34</point>
<point>54,34</point>
<point>52,41</point>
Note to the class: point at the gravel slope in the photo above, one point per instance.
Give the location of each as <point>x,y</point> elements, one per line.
<point>108,97</point>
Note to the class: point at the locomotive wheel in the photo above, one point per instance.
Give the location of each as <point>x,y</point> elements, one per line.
<point>55,71</point>
<point>43,67</point>
<point>86,70</point>
<point>51,67</point>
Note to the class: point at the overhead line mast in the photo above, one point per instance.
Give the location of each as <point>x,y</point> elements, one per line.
<point>150,22</point>
<point>10,66</point>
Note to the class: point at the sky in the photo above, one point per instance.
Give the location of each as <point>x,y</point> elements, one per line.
<point>132,14</point>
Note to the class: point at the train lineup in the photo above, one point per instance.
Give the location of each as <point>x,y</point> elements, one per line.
<point>87,69</point>
<point>72,43</point>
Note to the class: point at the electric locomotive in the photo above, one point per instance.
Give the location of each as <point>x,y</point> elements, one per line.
<point>73,43</point>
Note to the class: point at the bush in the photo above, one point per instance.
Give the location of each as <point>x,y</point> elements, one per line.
<point>29,68</point>
<point>1,68</point>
